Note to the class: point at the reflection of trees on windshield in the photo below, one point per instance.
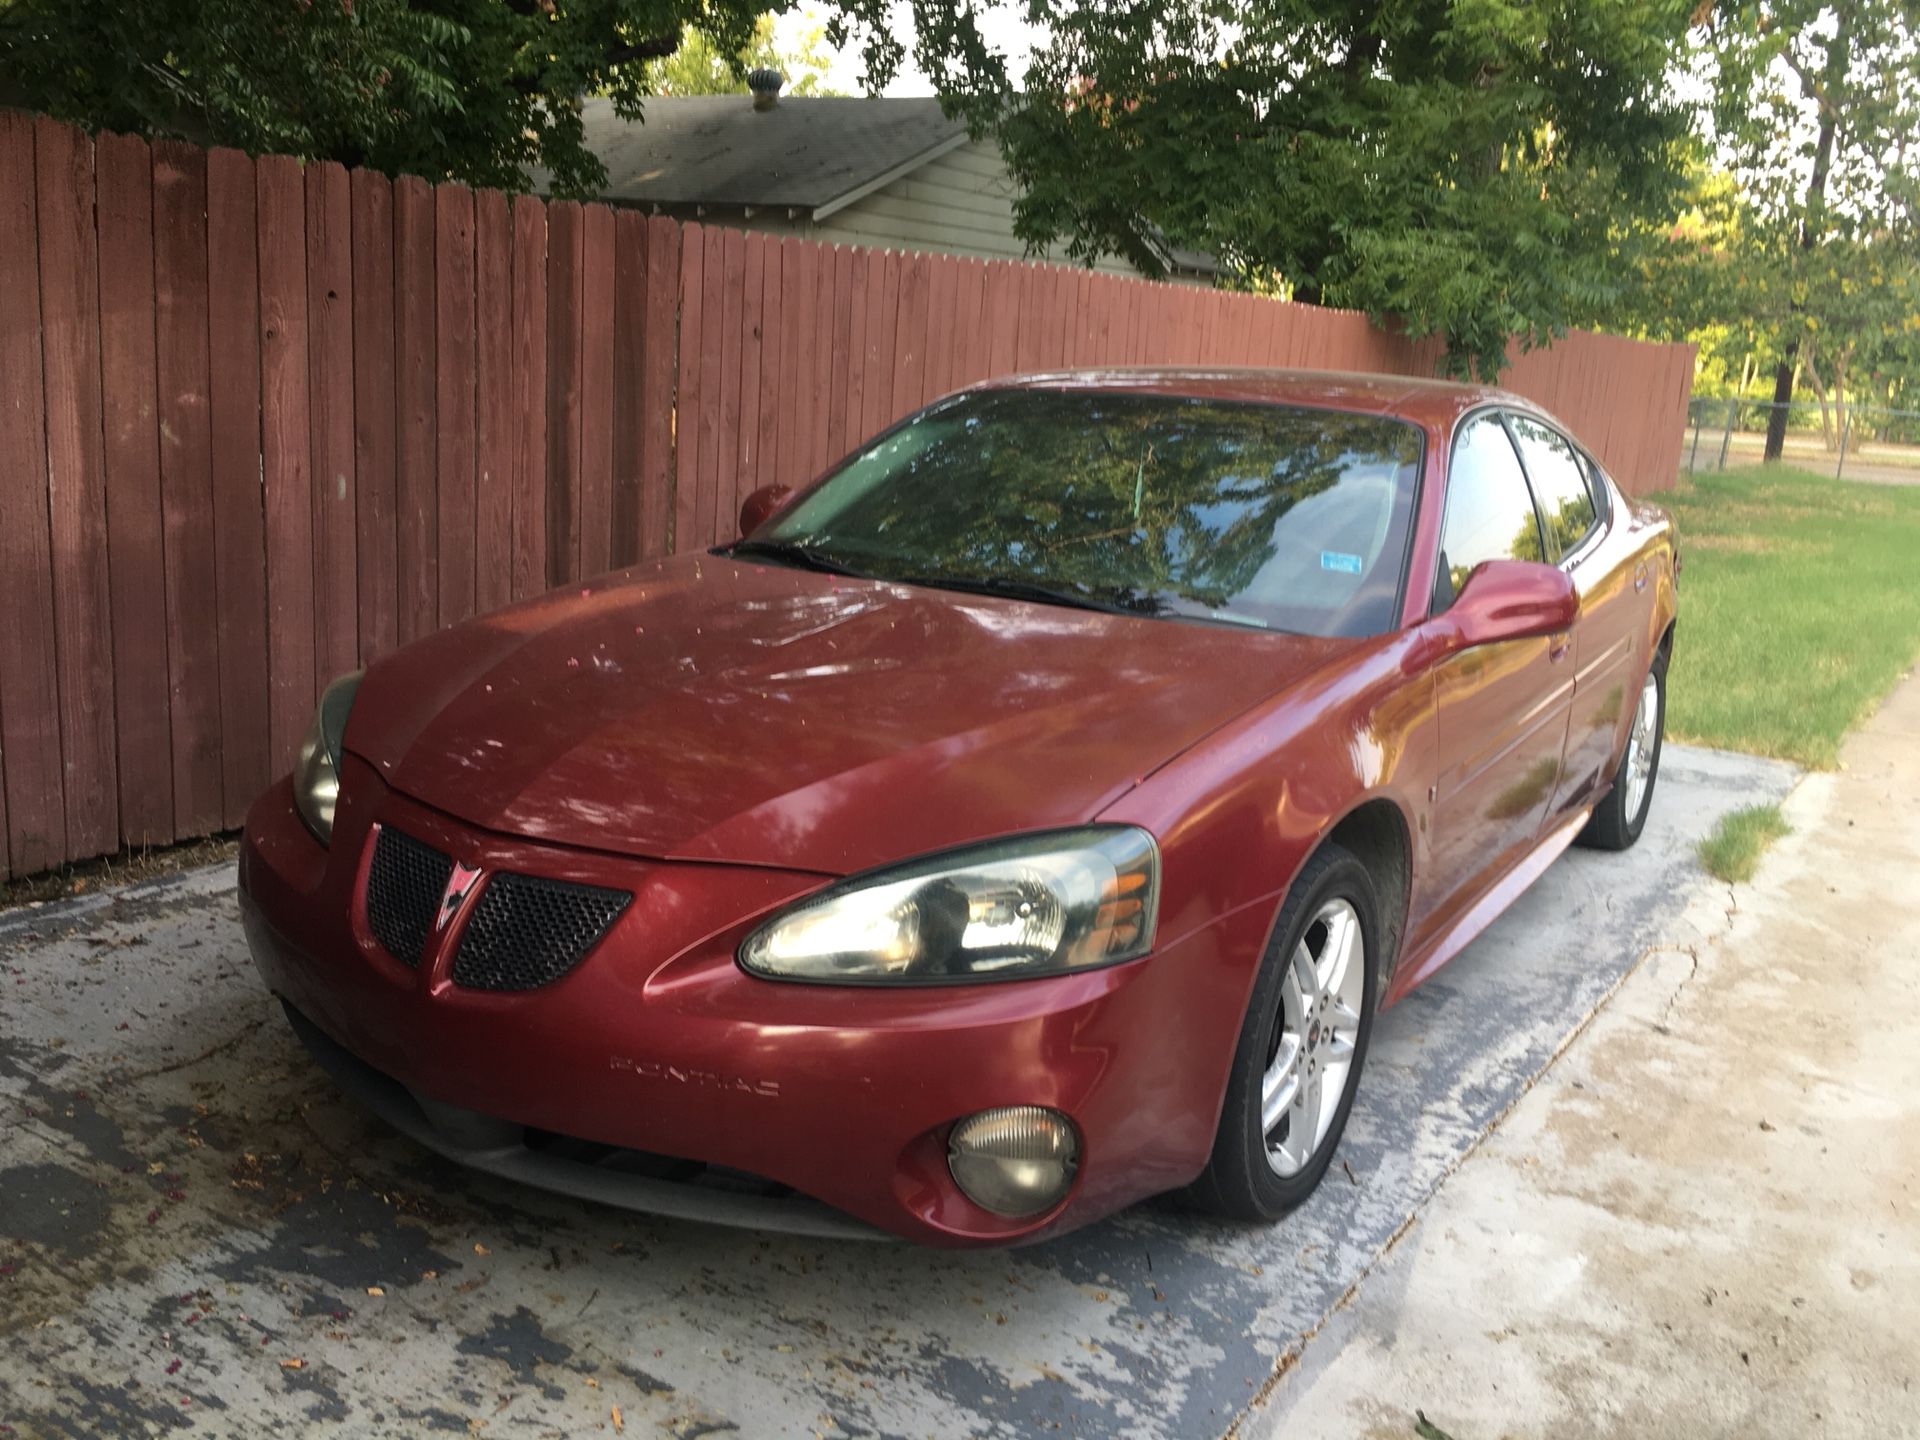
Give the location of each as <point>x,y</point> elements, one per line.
<point>1284,515</point>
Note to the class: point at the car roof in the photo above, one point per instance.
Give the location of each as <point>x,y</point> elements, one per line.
<point>1407,397</point>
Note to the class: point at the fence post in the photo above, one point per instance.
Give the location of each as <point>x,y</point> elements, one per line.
<point>1846,430</point>
<point>1693,455</point>
<point>1726,438</point>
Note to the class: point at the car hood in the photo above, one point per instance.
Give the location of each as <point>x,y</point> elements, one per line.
<point>706,708</point>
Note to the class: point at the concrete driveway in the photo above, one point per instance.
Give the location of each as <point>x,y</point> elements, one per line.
<point>198,1234</point>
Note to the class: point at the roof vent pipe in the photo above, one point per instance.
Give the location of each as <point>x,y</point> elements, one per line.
<point>765,83</point>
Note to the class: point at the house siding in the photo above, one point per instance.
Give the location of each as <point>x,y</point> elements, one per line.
<point>959,203</point>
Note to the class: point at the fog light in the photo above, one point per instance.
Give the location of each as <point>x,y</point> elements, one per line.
<point>1016,1161</point>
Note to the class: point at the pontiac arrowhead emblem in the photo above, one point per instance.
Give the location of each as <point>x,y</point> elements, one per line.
<point>459,886</point>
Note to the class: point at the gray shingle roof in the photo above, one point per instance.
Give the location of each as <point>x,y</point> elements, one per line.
<point>718,150</point>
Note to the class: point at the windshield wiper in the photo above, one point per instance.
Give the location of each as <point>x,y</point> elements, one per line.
<point>1081,597</point>
<point>794,552</point>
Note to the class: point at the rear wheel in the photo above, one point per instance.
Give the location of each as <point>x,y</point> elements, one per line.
<point>1301,1046</point>
<point>1618,819</point>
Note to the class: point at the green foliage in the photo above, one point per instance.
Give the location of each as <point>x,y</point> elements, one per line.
<point>1480,169</point>
<point>701,67</point>
<point>473,90</point>
<point>1817,106</point>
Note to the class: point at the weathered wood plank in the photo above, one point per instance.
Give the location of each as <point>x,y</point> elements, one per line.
<point>530,417</point>
<point>239,541</point>
<point>596,391</point>
<point>136,554</point>
<point>565,242</point>
<point>629,382</point>
<point>752,332</point>
<point>375,416</point>
<point>286,455</point>
<point>76,485</point>
<point>416,501</point>
<point>330,364</point>
<point>29,684</point>
<point>715,516</point>
<point>493,402</point>
<point>663,351</point>
<point>686,430</point>
<point>453,399</point>
<point>186,482</point>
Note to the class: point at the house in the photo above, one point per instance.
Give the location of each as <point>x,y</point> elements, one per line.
<point>885,172</point>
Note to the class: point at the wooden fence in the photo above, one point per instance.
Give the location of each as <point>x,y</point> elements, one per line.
<point>261,422</point>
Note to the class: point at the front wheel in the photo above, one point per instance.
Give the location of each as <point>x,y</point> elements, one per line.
<point>1618,819</point>
<point>1301,1045</point>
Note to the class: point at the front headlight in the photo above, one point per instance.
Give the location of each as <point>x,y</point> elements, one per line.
<point>1037,905</point>
<point>316,770</point>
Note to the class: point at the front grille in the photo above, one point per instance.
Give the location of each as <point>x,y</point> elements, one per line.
<point>527,931</point>
<point>405,881</point>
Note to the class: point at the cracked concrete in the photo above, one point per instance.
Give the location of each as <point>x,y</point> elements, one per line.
<point>1704,1219</point>
<point>198,1234</point>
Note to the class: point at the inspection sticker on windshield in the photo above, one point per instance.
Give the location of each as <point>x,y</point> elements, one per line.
<point>1339,560</point>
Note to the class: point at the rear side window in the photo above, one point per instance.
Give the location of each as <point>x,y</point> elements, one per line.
<point>1560,482</point>
<point>1489,508</point>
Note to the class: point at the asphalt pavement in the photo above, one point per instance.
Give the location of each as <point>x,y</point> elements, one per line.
<point>199,1235</point>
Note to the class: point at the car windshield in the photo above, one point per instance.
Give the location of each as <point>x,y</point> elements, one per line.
<point>1271,516</point>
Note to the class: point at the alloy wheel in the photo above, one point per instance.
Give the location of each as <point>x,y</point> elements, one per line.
<point>1638,774</point>
<point>1321,997</point>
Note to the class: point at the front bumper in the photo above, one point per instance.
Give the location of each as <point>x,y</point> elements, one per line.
<point>657,1042</point>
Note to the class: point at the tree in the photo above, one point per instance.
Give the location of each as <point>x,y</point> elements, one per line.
<point>701,67</point>
<point>1833,216</point>
<point>1481,170</point>
<point>473,90</point>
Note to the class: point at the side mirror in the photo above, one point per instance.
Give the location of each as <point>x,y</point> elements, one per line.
<point>762,505</point>
<point>1511,600</point>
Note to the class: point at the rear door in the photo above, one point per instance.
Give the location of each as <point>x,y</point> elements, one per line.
<point>1572,507</point>
<point>1500,709</point>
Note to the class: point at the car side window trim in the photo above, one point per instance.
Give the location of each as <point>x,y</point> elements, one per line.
<point>1577,551</point>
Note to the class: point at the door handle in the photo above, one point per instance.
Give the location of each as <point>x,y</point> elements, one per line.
<point>1558,647</point>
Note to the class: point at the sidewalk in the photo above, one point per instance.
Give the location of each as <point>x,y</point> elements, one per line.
<point>1704,1220</point>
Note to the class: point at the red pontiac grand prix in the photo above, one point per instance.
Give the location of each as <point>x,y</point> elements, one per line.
<point>1030,816</point>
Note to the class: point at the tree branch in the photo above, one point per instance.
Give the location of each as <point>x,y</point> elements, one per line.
<point>656,47</point>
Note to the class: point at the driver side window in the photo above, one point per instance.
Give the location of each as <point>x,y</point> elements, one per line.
<point>1490,514</point>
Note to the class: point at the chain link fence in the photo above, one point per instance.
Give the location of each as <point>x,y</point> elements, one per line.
<point>1854,442</point>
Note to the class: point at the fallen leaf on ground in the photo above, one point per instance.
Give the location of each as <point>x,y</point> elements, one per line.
<point>480,1249</point>
<point>375,1290</point>
<point>1426,1429</point>
<point>618,1422</point>
<point>293,1362</point>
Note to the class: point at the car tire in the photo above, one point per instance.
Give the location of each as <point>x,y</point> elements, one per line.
<point>1248,1177</point>
<point>1618,819</point>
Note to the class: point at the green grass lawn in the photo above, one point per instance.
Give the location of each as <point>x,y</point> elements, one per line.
<point>1799,608</point>
<point>1732,851</point>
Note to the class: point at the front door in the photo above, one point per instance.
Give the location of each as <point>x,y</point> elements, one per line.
<point>1500,709</point>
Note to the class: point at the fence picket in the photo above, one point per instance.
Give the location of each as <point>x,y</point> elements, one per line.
<point>29,686</point>
<point>453,398</point>
<point>286,455</point>
<point>239,541</point>
<point>336,641</point>
<point>493,401</point>
<point>136,559</point>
